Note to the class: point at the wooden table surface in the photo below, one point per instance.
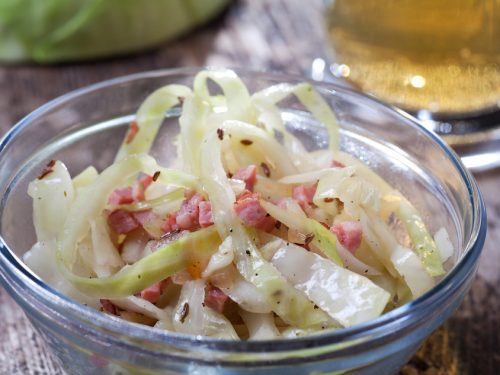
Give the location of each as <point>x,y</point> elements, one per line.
<point>282,35</point>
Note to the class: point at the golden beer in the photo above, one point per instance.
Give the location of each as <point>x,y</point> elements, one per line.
<point>439,55</point>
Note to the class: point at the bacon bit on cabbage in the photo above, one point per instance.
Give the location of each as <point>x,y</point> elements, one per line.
<point>256,238</point>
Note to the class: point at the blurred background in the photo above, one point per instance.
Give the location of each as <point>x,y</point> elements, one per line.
<point>50,47</point>
<point>268,35</point>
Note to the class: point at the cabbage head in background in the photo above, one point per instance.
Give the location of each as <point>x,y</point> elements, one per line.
<point>51,31</point>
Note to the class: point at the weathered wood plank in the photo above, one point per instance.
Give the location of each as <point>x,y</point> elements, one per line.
<point>282,35</point>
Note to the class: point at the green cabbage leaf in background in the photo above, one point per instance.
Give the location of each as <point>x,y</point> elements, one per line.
<point>51,31</point>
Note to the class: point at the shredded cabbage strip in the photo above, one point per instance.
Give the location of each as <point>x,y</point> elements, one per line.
<point>153,268</point>
<point>150,117</point>
<point>321,281</point>
<point>424,245</point>
<point>287,302</point>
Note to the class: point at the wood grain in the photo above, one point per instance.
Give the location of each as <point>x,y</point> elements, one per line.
<point>282,35</point>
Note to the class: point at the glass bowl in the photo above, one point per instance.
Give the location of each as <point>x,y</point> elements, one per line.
<point>86,127</point>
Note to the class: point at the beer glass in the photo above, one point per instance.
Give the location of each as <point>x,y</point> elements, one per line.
<point>437,59</point>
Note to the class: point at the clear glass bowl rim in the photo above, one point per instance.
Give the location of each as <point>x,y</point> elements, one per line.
<point>16,268</point>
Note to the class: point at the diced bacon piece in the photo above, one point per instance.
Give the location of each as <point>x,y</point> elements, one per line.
<point>133,129</point>
<point>304,194</point>
<point>146,180</point>
<point>188,215</point>
<point>349,234</point>
<point>248,175</point>
<point>121,196</point>
<point>185,221</point>
<point>205,217</point>
<point>108,306</point>
<point>251,213</point>
<point>249,210</point>
<point>122,221</point>
<point>337,164</point>
<point>170,224</point>
<point>215,298</point>
<point>153,293</point>
<point>267,224</point>
<point>140,187</point>
<point>130,194</point>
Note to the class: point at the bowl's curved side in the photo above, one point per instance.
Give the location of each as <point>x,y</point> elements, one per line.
<point>86,340</point>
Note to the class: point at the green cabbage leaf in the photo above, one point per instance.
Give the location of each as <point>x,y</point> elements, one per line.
<point>50,31</point>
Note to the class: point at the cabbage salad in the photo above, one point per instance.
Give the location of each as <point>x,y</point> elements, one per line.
<point>251,237</point>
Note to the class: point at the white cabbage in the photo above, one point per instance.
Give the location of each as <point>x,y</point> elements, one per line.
<point>347,297</point>
<point>191,316</point>
<point>222,258</point>
<point>286,301</point>
<point>444,245</point>
<point>354,264</point>
<point>404,260</point>
<point>280,289</point>
<point>412,270</point>
<point>246,295</point>
<point>52,196</point>
<point>41,260</point>
<point>141,306</point>
<point>260,326</point>
<point>353,191</point>
<point>106,259</point>
<point>422,241</point>
<point>85,177</point>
